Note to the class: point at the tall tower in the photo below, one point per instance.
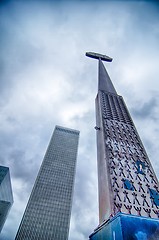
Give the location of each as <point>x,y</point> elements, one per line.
<point>128,187</point>
<point>6,196</point>
<point>47,215</point>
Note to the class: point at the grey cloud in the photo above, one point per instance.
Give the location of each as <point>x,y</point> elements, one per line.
<point>46,80</point>
<point>25,168</point>
<point>146,109</point>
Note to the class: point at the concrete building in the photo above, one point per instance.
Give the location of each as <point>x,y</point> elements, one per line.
<point>47,215</point>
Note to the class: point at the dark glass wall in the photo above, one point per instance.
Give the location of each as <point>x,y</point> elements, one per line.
<point>6,196</point>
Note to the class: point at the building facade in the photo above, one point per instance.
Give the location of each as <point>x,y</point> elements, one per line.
<point>6,196</point>
<point>47,215</point>
<point>127,183</point>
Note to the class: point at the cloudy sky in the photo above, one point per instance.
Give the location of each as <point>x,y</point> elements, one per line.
<point>46,80</point>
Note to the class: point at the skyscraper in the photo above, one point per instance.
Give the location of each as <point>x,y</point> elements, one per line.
<point>128,186</point>
<point>47,215</point>
<point>6,196</point>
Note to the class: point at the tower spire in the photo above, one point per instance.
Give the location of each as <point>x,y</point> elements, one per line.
<point>104,81</point>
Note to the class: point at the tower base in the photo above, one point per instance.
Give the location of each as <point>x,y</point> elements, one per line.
<point>128,227</point>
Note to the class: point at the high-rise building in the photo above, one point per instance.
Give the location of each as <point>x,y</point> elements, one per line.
<point>47,215</point>
<point>128,186</point>
<point>6,196</point>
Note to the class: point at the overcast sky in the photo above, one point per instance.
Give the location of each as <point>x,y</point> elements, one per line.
<point>46,80</point>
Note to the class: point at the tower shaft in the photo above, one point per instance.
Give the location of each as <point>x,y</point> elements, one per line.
<point>125,176</point>
<point>126,180</point>
<point>128,186</point>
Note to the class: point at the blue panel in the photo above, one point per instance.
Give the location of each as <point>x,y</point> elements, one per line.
<point>140,167</point>
<point>128,185</point>
<point>128,227</point>
<point>155,196</point>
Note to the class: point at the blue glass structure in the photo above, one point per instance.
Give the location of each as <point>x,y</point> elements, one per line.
<point>6,196</point>
<point>128,227</point>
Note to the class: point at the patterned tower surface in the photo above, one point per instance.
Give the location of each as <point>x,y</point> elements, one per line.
<point>47,215</point>
<point>126,180</point>
<point>6,196</point>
